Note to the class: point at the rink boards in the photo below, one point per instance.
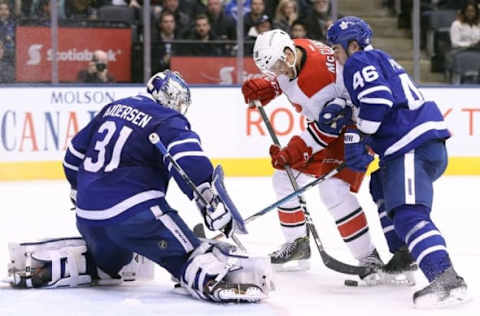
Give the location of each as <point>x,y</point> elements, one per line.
<point>37,123</point>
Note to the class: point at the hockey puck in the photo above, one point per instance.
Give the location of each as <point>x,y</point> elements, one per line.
<point>351,283</point>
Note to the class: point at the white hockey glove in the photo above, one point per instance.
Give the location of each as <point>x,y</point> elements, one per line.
<point>215,214</point>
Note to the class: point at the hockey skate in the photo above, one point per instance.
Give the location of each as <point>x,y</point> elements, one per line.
<point>292,256</point>
<point>233,293</point>
<point>400,269</point>
<point>447,289</point>
<point>374,275</point>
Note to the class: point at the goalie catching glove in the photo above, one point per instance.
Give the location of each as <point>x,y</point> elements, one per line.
<point>262,89</point>
<point>296,154</point>
<point>215,214</point>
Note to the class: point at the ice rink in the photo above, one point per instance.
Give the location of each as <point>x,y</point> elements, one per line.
<point>39,209</point>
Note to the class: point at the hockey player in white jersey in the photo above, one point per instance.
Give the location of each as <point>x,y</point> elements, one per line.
<point>119,181</point>
<point>408,133</point>
<point>307,73</point>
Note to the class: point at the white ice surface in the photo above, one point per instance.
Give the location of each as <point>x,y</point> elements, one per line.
<point>38,209</point>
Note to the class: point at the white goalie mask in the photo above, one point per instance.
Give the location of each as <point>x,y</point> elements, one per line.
<point>269,51</point>
<point>170,90</point>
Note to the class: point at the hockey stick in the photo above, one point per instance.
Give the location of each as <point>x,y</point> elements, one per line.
<point>198,228</point>
<point>155,140</point>
<point>328,260</point>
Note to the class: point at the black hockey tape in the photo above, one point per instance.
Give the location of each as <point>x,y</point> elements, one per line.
<point>351,283</point>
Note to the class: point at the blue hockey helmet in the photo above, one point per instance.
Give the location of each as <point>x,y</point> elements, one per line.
<point>347,29</point>
<point>170,89</point>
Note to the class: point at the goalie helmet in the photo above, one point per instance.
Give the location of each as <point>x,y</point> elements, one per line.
<point>347,29</point>
<point>269,48</point>
<point>170,90</point>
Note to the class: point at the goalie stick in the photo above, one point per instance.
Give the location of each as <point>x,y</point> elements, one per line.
<point>198,229</point>
<point>155,140</point>
<point>328,260</point>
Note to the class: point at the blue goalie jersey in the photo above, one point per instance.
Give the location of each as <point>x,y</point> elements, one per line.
<point>117,172</point>
<point>389,106</point>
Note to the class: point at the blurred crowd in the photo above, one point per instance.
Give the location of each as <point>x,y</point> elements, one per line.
<point>178,27</point>
<point>450,35</point>
<point>209,27</point>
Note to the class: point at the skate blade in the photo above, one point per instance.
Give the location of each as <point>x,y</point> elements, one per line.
<point>292,266</point>
<point>434,300</point>
<point>249,295</point>
<point>384,279</point>
<point>399,279</point>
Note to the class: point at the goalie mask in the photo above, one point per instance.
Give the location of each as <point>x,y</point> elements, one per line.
<point>170,90</point>
<point>269,52</point>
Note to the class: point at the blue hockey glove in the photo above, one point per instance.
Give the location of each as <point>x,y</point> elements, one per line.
<point>357,156</point>
<point>215,214</point>
<point>335,115</point>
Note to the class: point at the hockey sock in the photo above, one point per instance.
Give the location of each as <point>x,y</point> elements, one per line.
<point>292,220</point>
<point>353,228</point>
<point>394,242</point>
<point>424,240</point>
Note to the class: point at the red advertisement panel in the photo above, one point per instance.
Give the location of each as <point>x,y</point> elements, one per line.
<point>212,70</point>
<point>75,49</point>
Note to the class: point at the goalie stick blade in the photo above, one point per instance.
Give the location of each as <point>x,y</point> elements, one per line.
<point>219,185</point>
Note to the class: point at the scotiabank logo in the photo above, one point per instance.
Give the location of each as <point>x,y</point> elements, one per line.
<point>70,55</point>
<point>34,54</point>
<point>227,75</point>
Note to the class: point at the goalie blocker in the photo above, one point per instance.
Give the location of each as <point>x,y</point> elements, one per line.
<point>65,262</point>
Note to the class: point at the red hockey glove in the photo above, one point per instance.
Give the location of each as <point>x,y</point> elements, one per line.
<point>296,154</point>
<point>262,89</point>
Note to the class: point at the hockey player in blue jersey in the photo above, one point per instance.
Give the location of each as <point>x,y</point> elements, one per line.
<point>119,181</point>
<point>408,133</point>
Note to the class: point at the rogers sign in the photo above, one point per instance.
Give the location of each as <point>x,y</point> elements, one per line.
<point>76,48</point>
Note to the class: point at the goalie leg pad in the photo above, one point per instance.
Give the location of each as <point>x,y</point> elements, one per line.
<point>65,262</point>
<point>215,273</point>
<point>50,263</point>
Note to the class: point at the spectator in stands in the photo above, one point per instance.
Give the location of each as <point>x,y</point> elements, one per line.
<point>203,34</point>
<point>251,18</point>
<point>464,34</point>
<point>222,25</point>
<point>231,8</point>
<point>7,70</point>
<point>465,30</point>
<point>97,71</point>
<point>299,29</point>
<point>162,48</point>
<point>285,14</point>
<point>80,10</point>
<point>7,30</point>
<point>182,21</point>
<point>319,20</point>
<point>262,25</point>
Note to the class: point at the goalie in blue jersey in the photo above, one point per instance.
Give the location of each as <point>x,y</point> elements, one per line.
<point>119,181</point>
<point>408,133</point>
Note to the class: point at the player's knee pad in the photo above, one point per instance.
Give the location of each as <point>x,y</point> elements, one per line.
<point>214,262</point>
<point>64,262</point>
<point>336,196</point>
